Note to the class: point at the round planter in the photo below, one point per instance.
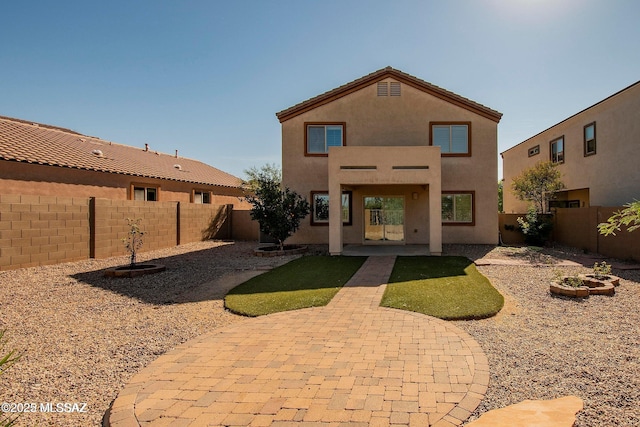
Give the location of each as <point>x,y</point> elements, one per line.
<point>134,270</point>
<point>591,286</point>
<point>271,251</point>
<point>569,291</point>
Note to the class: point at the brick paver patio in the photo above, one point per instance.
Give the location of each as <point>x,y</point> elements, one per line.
<point>350,363</point>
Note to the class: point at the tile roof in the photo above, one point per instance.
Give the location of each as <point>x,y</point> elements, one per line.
<point>383,74</point>
<point>24,141</point>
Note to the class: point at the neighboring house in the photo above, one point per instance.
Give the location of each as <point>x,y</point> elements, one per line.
<point>596,151</point>
<point>392,159</point>
<point>37,159</point>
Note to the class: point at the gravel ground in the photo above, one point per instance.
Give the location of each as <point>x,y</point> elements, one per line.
<point>544,347</point>
<point>84,336</point>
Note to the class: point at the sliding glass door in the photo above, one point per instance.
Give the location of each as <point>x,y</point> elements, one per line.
<point>383,219</point>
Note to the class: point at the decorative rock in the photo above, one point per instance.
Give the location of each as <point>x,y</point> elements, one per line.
<point>135,271</point>
<point>539,413</point>
<point>272,251</point>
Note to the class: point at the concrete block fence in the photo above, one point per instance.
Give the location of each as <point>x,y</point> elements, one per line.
<point>40,230</point>
<point>578,228</point>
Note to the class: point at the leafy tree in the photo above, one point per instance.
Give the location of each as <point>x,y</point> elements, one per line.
<point>501,196</point>
<point>270,171</point>
<point>277,210</point>
<point>538,184</point>
<point>628,217</point>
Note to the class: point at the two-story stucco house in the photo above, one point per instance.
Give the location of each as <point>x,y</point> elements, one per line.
<point>596,151</point>
<point>391,159</point>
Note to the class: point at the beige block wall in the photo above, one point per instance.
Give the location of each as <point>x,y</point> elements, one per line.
<point>578,228</point>
<point>199,222</point>
<point>399,121</point>
<point>40,230</point>
<point>243,227</point>
<point>159,225</point>
<point>612,175</point>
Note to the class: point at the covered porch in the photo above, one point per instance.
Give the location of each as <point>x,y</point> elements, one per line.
<point>396,196</point>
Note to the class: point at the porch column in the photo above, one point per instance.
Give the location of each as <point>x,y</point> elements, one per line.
<point>335,216</point>
<point>435,218</point>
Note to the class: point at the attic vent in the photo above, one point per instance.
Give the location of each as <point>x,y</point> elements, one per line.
<point>83,140</point>
<point>395,88</point>
<point>98,153</point>
<point>177,166</point>
<point>383,89</point>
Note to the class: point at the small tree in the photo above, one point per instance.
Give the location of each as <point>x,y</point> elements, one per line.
<point>501,196</point>
<point>628,217</point>
<point>278,211</point>
<point>538,184</point>
<point>133,240</point>
<point>535,227</point>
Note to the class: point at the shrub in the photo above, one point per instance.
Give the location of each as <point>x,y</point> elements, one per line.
<point>5,363</point>
<point>601,270</point>
<point>278,211</point>
<point>535,227</point>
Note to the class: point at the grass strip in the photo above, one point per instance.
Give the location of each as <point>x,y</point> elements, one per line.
<point>449,288</point>
<point>310,281</point>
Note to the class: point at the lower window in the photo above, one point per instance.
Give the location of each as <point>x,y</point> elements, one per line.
<point>201,197</point>
<point>458,208</point>
<point>149,194</point>
<point>320,208</point>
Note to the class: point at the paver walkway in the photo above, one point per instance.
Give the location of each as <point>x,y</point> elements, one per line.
<point>349,363</point>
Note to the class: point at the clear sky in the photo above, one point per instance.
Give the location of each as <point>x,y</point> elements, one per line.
<point>207,77</point>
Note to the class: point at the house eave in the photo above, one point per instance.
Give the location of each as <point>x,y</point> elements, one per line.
<point>382,74</point>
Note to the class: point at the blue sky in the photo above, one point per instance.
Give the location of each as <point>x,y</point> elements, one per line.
<point>207,77</point>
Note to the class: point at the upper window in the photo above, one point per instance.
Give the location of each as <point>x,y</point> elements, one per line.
<point>557,150</point>
<point>452,138</point>
<point>320,208</point>
<point>590,139</point>
<point>457,208</point>
<point>533,151</point>
<point>202,197</point>
<point>149,194</point>
<point>319,137</point>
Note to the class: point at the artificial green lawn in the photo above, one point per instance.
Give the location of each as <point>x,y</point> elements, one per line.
<point>310,281</point>
<point>450,288</point>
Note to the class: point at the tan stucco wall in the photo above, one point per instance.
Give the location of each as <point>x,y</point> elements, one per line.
<point>397,121</point>
<point>41,180</point>
<point>612,175</point>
